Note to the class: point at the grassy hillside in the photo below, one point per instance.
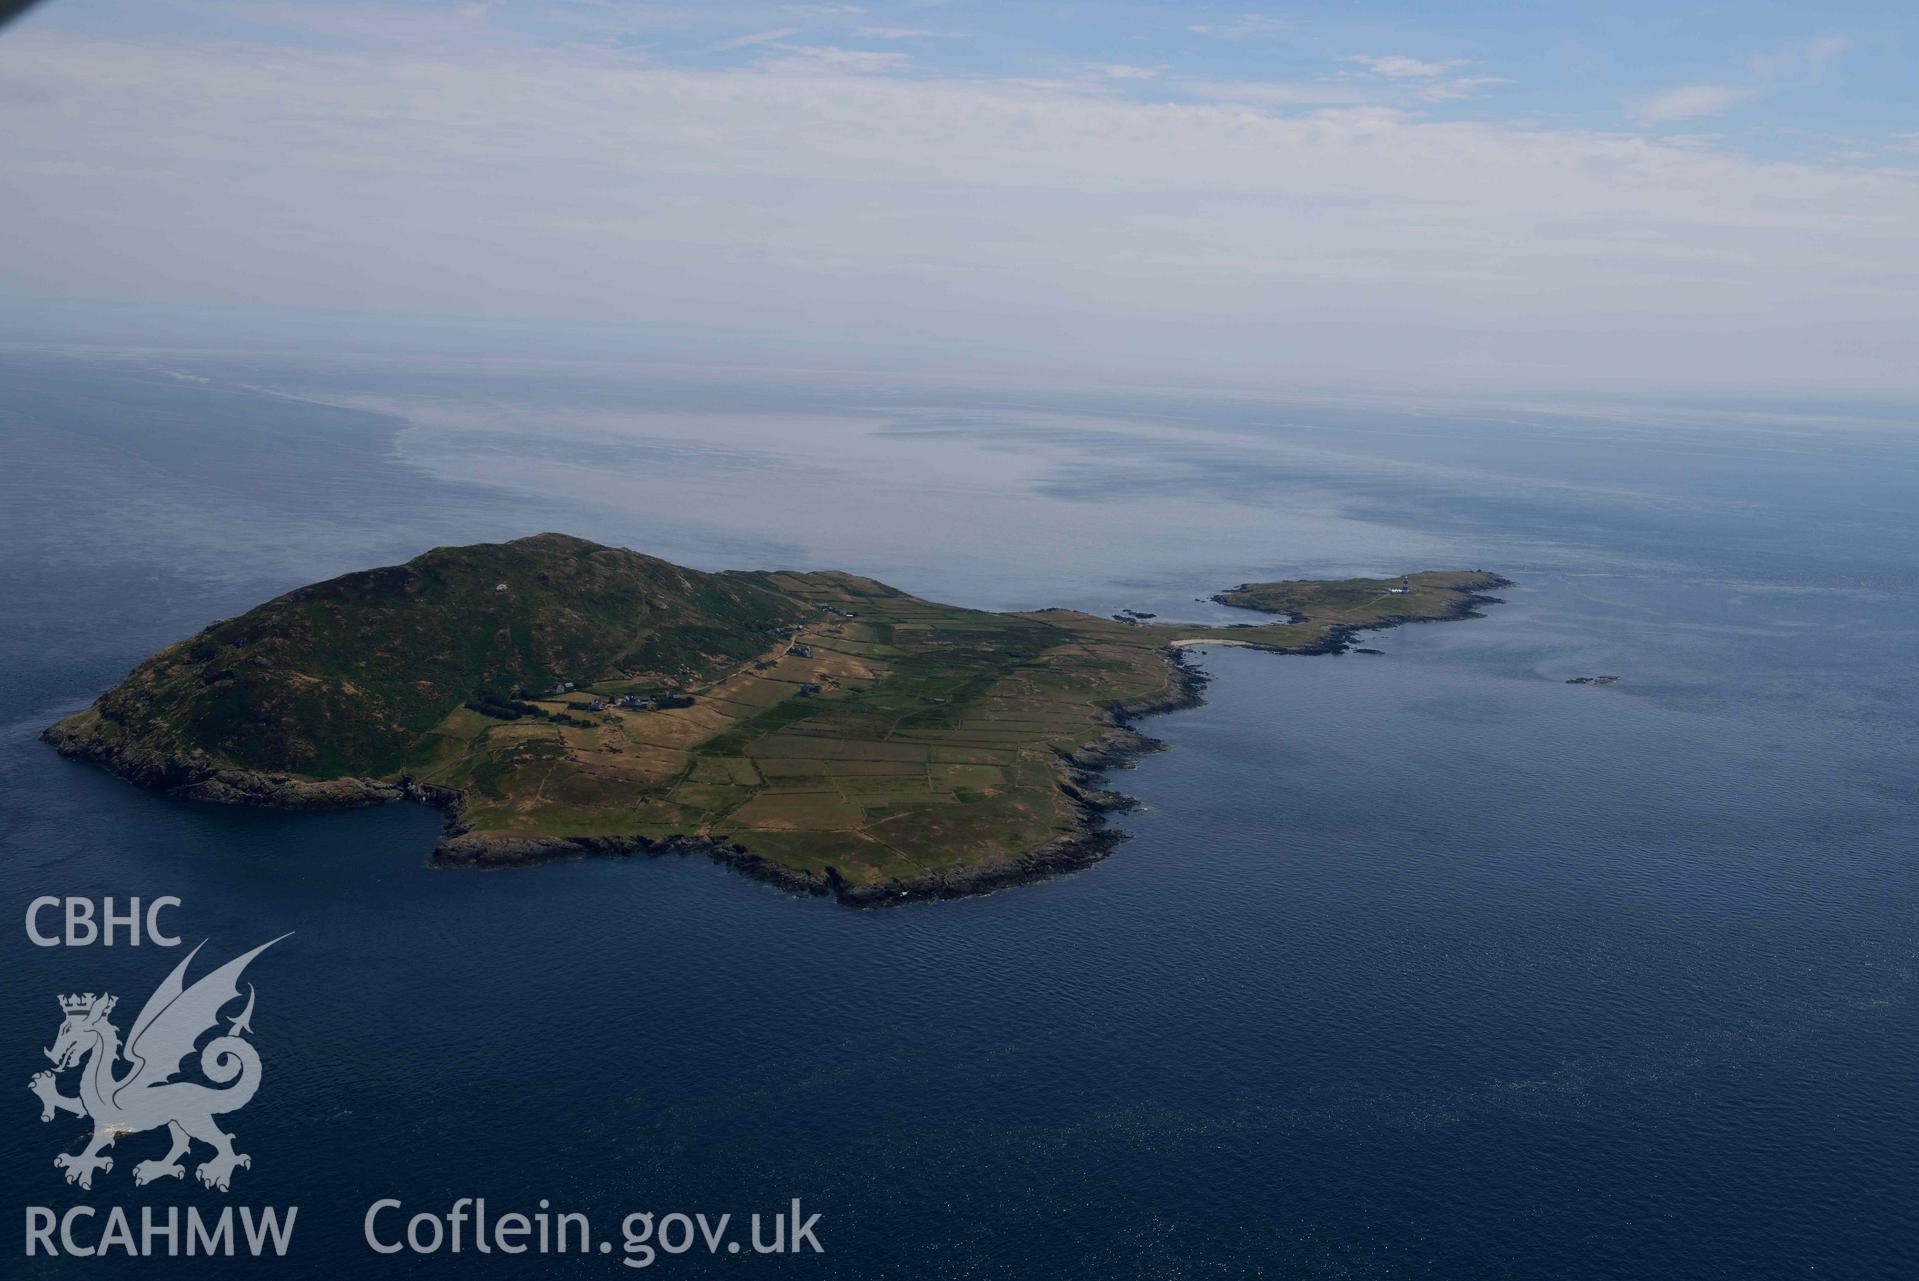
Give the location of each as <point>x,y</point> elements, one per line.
<point>346,676</point>
<point>1336,606</point>
<point>910,739</point>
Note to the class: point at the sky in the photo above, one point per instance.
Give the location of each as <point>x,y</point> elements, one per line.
<point>1627,194</point>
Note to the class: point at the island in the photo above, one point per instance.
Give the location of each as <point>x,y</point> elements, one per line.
<point>819,730</point>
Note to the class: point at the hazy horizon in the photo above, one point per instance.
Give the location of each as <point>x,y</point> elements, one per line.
<point>1647,197</point>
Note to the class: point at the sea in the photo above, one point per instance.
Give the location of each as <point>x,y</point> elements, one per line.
<point>1424,964</point>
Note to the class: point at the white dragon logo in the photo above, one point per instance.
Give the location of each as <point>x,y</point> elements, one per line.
<point>147,1097</point>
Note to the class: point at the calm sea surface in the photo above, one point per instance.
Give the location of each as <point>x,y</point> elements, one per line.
<point>1421,965</point>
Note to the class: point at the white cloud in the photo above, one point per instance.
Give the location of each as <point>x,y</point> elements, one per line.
<point>1248,26</point>
<point>412,26</point>
<point>1274,93</point>
<point>757,38</point>
<point>906,33</point>
<point>1823,52</point>
<point>833,60</point>
<point>950,215</point>
<point>1460,88</point>
<point>1688,102</point>
<point>1125,71</point>
<point>1691,141</point>
<point>1804,63</point>
<point>1399,66</point>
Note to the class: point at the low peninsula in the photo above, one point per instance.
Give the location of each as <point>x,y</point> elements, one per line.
<point>820,730</point>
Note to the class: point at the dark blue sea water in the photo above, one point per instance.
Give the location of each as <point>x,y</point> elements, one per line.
<point>1420,965</point>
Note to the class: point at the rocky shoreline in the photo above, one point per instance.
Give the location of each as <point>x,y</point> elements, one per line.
<point>1339,639</point>
<point>192,776</point>
<point>1083,784</point>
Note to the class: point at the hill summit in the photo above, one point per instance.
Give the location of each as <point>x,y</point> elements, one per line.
<point>344,676</point>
